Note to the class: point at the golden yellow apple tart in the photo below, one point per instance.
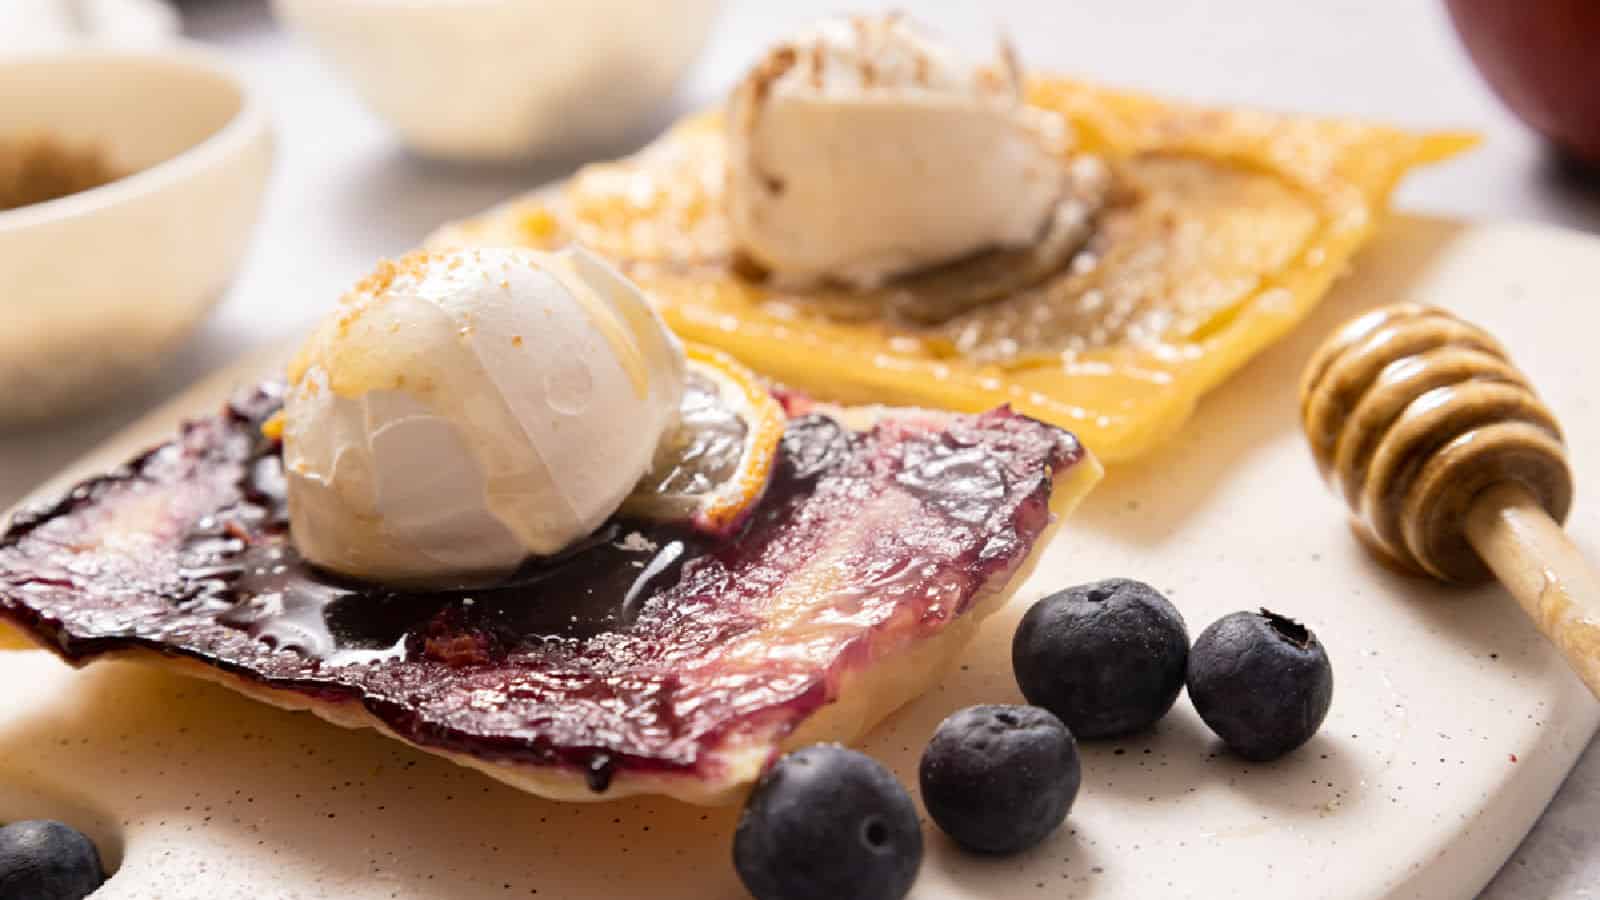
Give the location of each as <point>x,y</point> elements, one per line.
<point>871,221</point>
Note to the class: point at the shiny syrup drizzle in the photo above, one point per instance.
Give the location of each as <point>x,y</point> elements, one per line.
<point>267,589</point>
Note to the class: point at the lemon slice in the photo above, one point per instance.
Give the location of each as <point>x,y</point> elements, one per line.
<point>712,468</point>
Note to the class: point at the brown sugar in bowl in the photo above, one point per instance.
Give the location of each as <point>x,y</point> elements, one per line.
<point>103,283</point>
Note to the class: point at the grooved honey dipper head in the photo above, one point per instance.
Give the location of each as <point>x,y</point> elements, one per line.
<point>1411,414</point>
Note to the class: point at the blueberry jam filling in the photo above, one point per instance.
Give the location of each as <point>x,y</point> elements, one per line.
<point>644,647</point>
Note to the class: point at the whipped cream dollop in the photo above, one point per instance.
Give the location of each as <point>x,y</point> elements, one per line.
<point>862,149</point>
<point>463,411</point>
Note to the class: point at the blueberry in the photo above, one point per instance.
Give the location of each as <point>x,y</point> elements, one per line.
<point>43,860</point>
<point>828,823</point>
<point>999,779</point>
<point>1107,658</point>
<point>1261,681</point>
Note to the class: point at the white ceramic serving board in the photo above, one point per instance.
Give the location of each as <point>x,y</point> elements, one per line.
<point>1452,722</point>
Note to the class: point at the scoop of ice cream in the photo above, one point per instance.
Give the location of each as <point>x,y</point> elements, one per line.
<point>463,411</point>
<point>862,149</point>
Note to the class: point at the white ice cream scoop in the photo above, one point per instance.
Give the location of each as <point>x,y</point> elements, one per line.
<point>464,411</point>
<point>862,149</point>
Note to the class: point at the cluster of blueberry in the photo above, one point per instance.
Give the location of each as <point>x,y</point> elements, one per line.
<point>44,860</point>
<point>1095,661</point>
<point>1109,659</point>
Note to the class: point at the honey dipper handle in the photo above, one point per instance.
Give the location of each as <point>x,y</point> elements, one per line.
<point>1539,565</point>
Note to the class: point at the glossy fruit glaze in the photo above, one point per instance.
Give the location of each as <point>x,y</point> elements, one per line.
<point>648,646</point>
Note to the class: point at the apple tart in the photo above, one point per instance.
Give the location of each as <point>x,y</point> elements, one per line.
<point>1189,239</point>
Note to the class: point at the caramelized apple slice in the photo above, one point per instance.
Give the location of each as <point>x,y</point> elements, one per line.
<point>651,658</point>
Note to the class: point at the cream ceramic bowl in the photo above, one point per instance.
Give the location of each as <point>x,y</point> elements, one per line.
<point>97,288</point>
<point>502,80</point>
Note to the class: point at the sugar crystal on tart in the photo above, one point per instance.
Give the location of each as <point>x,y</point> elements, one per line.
<point>498,511</point>
<point>954,233</point>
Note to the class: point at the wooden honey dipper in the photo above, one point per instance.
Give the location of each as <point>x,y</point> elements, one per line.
<point>1452,465</point>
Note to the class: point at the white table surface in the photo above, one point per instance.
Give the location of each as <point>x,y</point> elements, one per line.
<point>344,193</point>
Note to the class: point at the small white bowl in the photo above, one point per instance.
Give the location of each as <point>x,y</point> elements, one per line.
<point>97,288</point>
<point>505,80</point>
<point>54,24</point>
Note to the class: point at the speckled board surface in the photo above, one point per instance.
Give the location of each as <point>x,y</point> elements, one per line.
<point>1451,726</point>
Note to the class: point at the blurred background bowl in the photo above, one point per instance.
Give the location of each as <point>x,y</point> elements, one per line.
<point>56,24</point>
<point>1542,57</point>
<point>507,80</point>
<point>99,287</point>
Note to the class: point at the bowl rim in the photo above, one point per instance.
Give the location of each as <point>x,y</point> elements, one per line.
<point>300,13</point>
<point>246,126</point>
